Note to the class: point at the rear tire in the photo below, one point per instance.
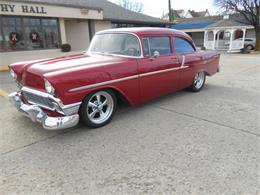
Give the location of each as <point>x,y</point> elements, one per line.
<point>249,47</point>
<point>98,108</point>
<point>198,82</point>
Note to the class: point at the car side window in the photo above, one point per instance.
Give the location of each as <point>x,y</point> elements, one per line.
<point>159,44</point>
<point>182,46</point>
<point>146,47</point>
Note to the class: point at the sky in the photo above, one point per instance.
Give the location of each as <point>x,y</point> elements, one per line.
<point>156,8</point>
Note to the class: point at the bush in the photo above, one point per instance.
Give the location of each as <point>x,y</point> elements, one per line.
<point>65,47</point>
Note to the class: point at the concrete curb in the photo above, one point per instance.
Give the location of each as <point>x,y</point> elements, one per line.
<point>4,68</point>
<point>3,94</point>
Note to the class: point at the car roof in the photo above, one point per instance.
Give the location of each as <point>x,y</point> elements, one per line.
<point>140,31</point>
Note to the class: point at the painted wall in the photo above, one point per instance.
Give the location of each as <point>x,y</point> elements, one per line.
<point>250,33</point>
<point>102,25</point>
<point>77,34</point>
<point>63,36</point>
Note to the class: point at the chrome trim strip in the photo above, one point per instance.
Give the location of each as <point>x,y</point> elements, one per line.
<point>183,61</point>
<point>68,106</point>
<point>103,83</point>
<point>126,78</point>
<point>161,71</point>
<point>39,93</point>
<point>61,108</point>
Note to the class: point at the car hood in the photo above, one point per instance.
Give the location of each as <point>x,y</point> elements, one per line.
<point>31,73</point>
<point>53,65</point>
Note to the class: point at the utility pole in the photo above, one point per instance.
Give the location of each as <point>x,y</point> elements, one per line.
<point>170,10</point>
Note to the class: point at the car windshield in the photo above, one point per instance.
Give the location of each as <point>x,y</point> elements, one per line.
<point>115,44</point>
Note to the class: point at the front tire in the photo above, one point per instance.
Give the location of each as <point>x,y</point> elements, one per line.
<point>198,82</point>
<point>98,108</point>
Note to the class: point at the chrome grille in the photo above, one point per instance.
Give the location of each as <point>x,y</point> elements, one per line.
<point>38,100</point>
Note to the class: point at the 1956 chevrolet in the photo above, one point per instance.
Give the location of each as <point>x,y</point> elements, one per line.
<point>135,64</point>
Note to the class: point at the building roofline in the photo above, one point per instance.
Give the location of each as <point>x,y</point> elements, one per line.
<point>135,21</point>
<point>111,11</point>
<point>225,27</point>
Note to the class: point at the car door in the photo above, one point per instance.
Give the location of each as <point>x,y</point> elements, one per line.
<point>190,60</point>
<point>158,70</point>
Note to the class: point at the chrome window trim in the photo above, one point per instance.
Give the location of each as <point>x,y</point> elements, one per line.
<point>118,55</point>
<point>126,78</point>
<point>148,41</point>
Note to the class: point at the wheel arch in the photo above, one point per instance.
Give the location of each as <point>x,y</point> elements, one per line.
<point>120,95</point>
<point>203,70</point>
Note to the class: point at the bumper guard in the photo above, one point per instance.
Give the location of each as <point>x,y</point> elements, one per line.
<point>36,114</point>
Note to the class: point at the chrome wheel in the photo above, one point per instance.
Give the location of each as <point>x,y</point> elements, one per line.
<point>100,107</point>
<point>199,80</point>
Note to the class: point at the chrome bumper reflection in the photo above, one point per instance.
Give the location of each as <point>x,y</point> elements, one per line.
<point>49,102</point>
<point>36,114</point>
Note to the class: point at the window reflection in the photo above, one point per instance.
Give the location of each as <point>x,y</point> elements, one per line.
<point>33,33</point>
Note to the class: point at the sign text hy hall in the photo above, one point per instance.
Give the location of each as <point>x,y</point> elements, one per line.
<point>10,8</point>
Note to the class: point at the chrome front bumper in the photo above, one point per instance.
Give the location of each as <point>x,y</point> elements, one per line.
<point>36,114</point>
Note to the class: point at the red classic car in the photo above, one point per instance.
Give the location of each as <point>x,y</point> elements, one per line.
<point>136,64</point>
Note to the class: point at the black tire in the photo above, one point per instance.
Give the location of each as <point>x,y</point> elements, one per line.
<point>195,87</point>
<point>87,110</point>
<point>249,47</point>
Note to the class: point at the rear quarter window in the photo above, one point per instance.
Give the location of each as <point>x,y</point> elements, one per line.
<point>182,46</point>
<point>159,44</point>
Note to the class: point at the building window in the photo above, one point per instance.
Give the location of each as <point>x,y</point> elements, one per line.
<point>28,33</point>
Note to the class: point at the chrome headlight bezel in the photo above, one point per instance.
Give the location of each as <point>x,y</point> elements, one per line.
<point>48,87</point>
<point>13,74</point>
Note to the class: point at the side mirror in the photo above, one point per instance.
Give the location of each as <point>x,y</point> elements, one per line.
<point>156,54</point>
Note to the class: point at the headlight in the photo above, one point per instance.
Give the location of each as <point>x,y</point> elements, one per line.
<point>49,88</point>
<point>13,74</point>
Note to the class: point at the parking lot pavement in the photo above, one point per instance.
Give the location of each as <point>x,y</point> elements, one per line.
<point>184,143</point>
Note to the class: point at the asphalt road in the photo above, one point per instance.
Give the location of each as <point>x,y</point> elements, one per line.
<point>184,143</point>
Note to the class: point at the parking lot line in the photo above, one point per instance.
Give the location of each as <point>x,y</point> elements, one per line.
<point>3,94</point>
<point>4,68</point>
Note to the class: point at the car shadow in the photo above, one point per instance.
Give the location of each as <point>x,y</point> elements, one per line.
<point>124,109</point>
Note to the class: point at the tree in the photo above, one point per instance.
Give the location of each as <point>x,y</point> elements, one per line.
<point>131,5</point>
<point>249,9</point>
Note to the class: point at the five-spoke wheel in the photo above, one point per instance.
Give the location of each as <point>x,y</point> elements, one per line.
<point>98,108</point>
<point>198,82</point>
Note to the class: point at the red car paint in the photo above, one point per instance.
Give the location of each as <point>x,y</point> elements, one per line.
<point>69,72</point>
